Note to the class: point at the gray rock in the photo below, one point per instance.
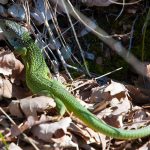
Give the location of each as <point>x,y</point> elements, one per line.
<point>3,2</point>
<point>3,11</point>
<point>17,11</point>
<point>40,13</point>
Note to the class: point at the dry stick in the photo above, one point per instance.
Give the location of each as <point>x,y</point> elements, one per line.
<point>25,5</point>
<point>91,81</point>
<point>28,139</point>
<point>55,44</point>
<point>55,22</point>
<point>126,4</point>
<point>77,41</point>
<point>56,25</point>
<point>112,43</point>
<point>121,10</point>
<point>108,73</point>
<point>67,29</point>
<point>143,40</point>
<point>131,36</point>
<point>144,32</point>
<point>12,121</point>
<point>61,37</point>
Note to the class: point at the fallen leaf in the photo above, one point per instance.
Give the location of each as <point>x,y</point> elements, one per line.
<point>46,131</point>
<point>146,146</point>
<point>5,88</point>
<point>14,108</point>
<point>115,88</point>
<point>139,96</point>
<point>120,107</point>
<point>9,64</point>
<point>30,106</point>
<point>65,142</point>
<point>96,94</point>
<point>13,146</point>
<point>139,118</point>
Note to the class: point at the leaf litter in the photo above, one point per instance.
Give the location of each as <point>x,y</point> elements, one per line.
<point>118,111</point>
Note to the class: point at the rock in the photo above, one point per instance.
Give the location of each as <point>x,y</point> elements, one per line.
<point>40,13</point>
<point>17,11</point>
<point>3,2</point>
<point>3,11</point>
<point>86,30</point>
<point>89,55</point>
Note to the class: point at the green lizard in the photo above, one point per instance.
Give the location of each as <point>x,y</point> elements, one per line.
<point>38,81</point>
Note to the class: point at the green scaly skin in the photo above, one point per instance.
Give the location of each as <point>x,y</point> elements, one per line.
<point>38,81</point>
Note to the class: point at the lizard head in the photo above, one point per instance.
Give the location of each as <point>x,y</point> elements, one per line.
<point>14,34</point>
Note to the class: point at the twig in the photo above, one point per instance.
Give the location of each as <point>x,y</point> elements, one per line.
<point>108,73</point>
<point>74,32</point>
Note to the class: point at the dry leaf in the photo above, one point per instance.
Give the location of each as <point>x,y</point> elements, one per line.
<point>9,64</point>
<point>113,115</point>
<point>65,142</point>
<point>14,108</point>
<point>115,88</point>
<point>148,70</point>
<point>46,131</point>
<point>146,146</point>
<point>9,90</point>
<point>96,95</point>
<point>13,146</point>
<point>139,96</point>
<point>120,107</point>
<point>30,106</point>
<point>114,120</point>
<point>5,88</point>
<point>140,118</point>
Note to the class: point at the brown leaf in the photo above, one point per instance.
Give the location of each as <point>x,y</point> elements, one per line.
<point>5,88</point>
<point>139,118</point>
<point>114,120</point>
<point>139,96</point>
<point>15,130</point>
<point>96,95</point>
<point>65,142</point>
<point>30,106</point>
<point>113,114</point>
<point>14,108</point>
<point>148,70</point>
<point>9,64</point>
<point>13,146</point>
<point>115,88</point>
<point>46,131</point>
<point>120,107</point>
<point>146,146</point>
<point>9,89</point>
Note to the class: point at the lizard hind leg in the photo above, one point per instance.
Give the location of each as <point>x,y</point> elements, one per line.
<point>60,107</point>
<point>59,104</point>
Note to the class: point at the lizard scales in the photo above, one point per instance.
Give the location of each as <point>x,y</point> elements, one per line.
<point>38,81</point>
